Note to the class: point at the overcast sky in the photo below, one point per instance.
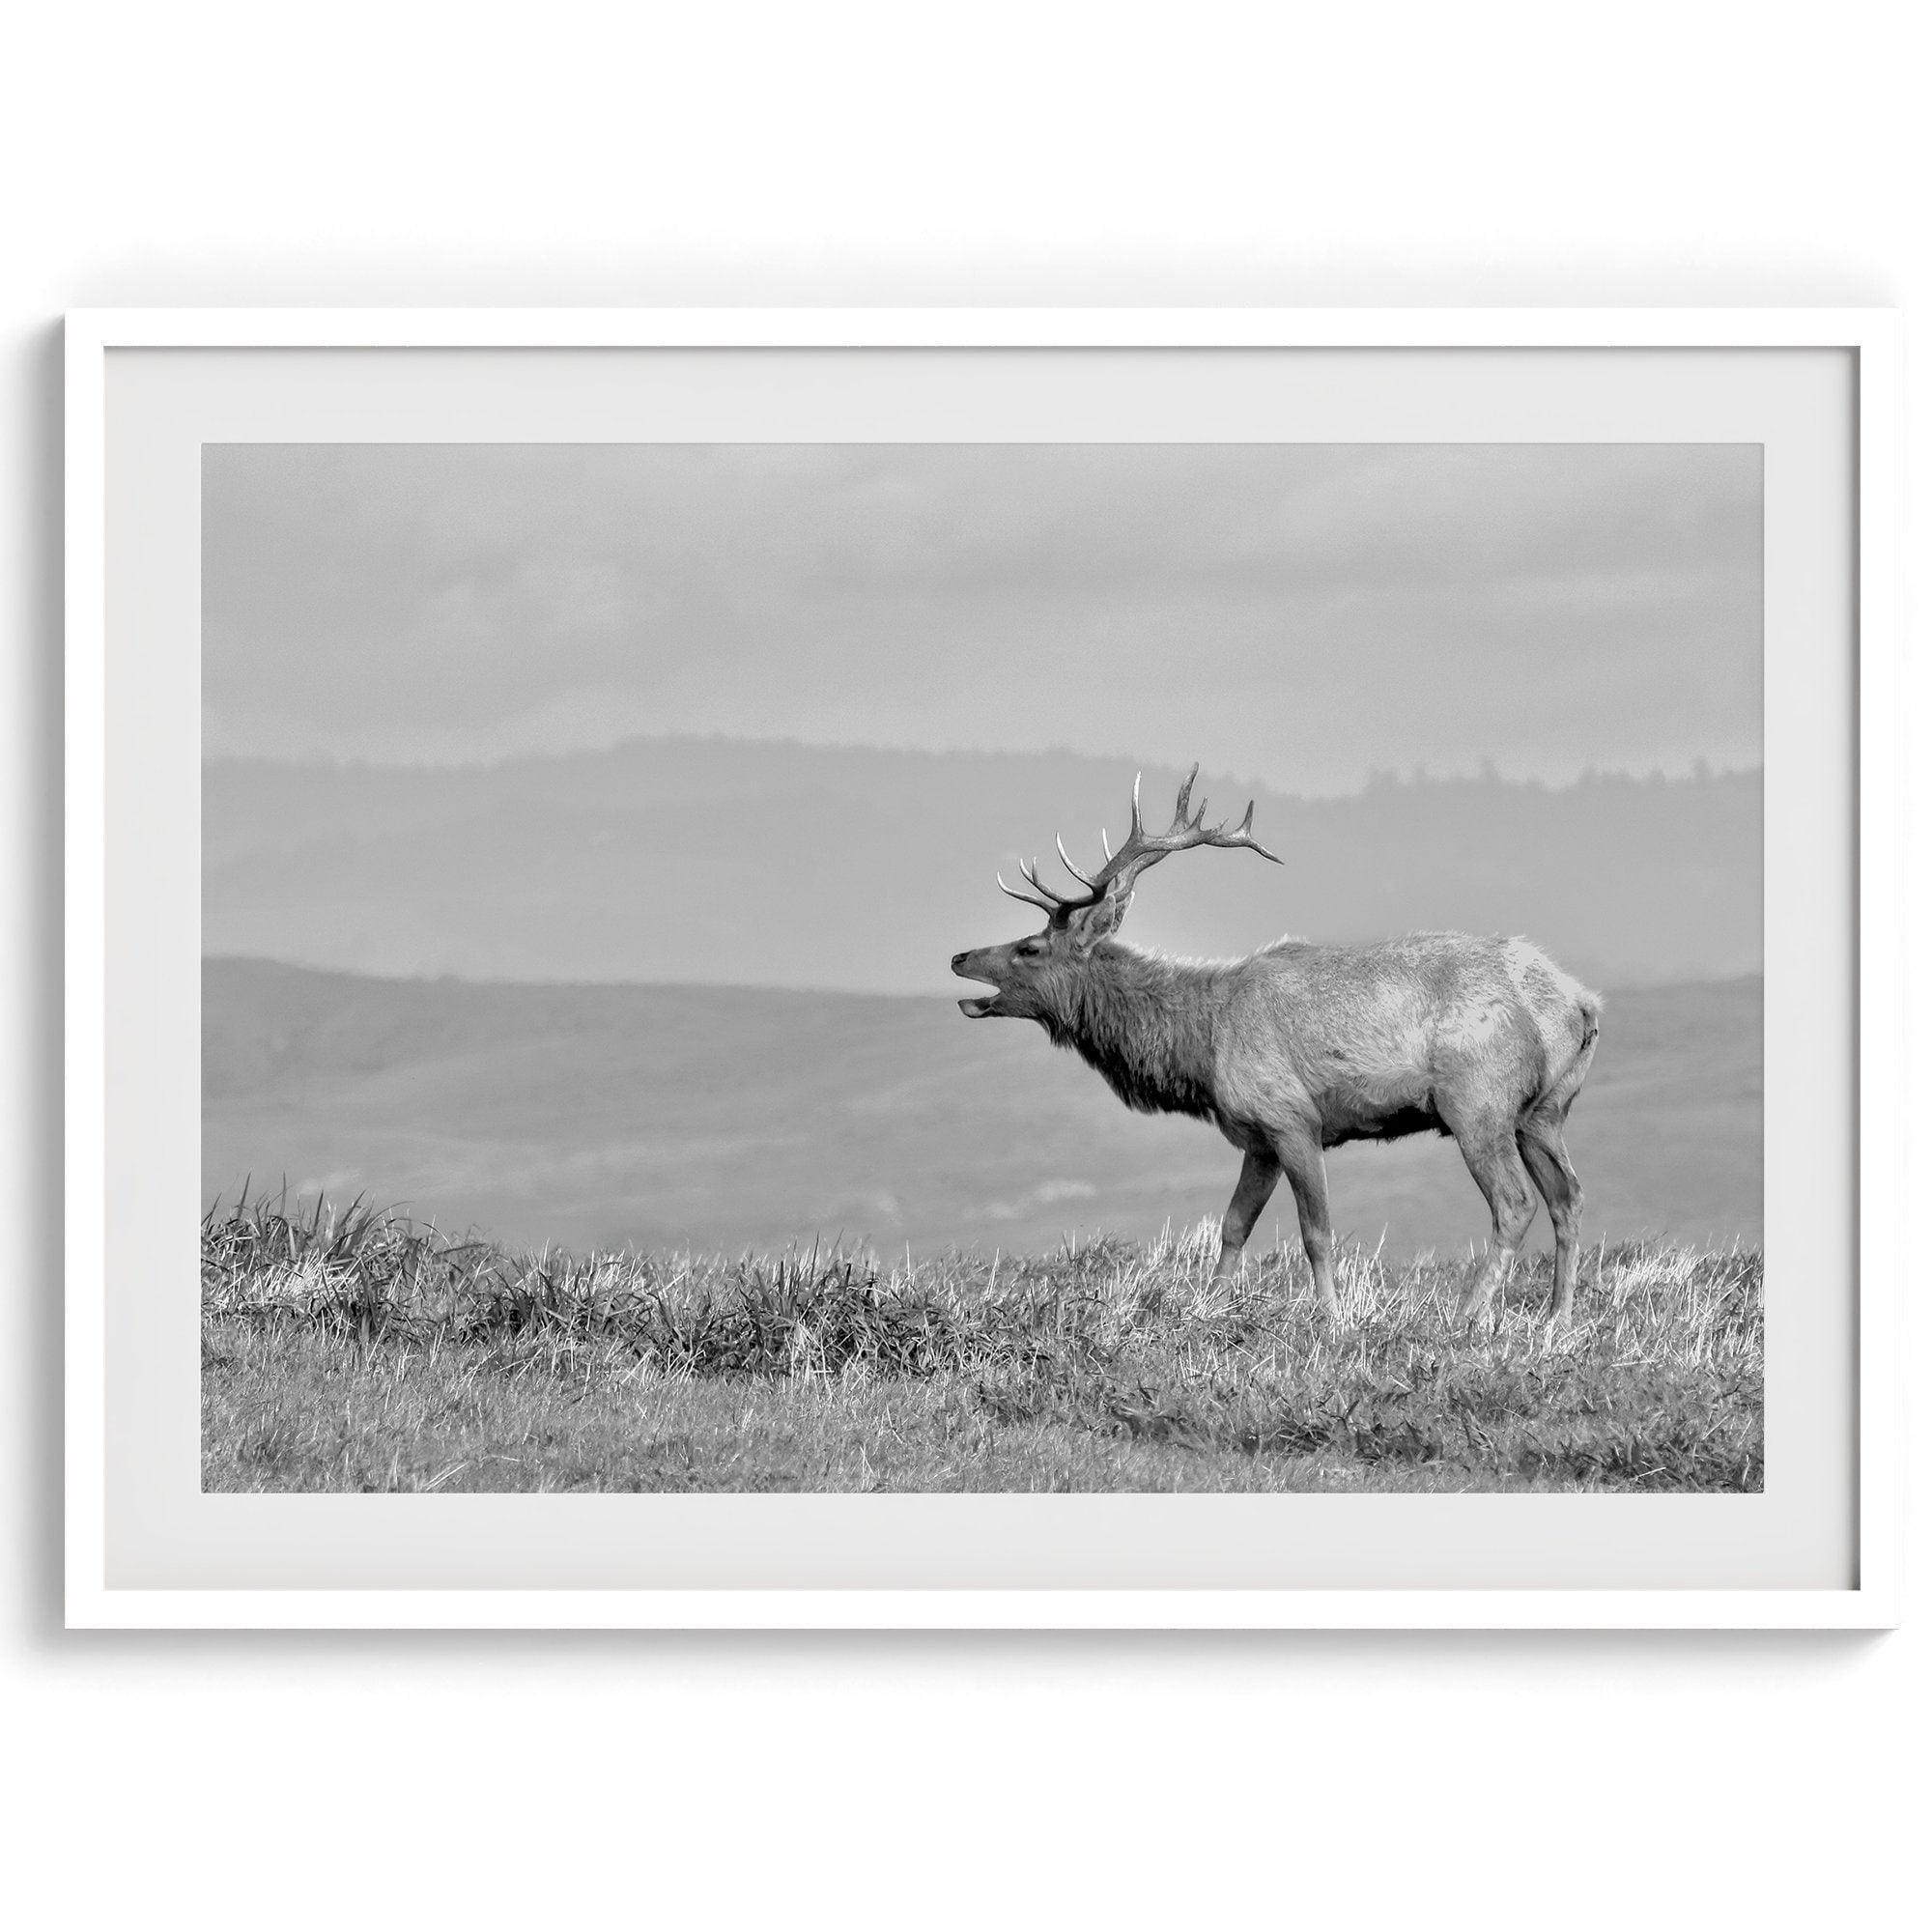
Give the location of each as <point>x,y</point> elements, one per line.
<point>1301,614</point>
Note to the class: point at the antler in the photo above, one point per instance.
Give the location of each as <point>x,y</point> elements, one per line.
<point>1141,849</point>
<point>1048,900</point>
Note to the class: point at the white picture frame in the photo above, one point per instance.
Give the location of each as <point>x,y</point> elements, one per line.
<point>1871,1596</point>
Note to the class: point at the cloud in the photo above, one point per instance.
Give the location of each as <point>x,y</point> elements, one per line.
<point>1304,612</point>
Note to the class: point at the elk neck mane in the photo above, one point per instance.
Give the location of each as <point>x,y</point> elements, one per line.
<point>1144,1023</point>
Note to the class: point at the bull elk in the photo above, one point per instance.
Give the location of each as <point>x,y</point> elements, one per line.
<point>1300,1047</point>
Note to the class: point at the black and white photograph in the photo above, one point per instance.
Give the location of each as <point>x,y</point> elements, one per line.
<point>998,967</point>
<point>966,967</point>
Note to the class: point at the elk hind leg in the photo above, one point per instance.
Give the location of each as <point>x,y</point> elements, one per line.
<point>1259,1171</point>
<point>1540,1141</point>
<point>1493,1160</point>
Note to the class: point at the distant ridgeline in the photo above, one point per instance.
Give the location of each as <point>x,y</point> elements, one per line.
<point>704,861</point>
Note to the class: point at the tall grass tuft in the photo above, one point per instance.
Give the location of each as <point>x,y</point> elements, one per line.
<point>1659,1385</point>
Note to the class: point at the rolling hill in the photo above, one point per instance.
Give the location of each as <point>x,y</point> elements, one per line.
<point>722,862</point>
<point>733,1117</point>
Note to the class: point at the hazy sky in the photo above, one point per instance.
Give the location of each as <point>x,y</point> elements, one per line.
<point>1301,614</point>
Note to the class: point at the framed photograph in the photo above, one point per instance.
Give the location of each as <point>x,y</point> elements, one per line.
<point>1086,968</point>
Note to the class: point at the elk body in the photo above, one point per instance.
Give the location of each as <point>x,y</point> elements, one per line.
<point>1301,1047</point>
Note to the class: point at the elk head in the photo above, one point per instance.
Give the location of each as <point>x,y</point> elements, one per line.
<point>1028,974</point>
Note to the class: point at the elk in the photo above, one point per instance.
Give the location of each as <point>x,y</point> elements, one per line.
<point>1300,1047</point>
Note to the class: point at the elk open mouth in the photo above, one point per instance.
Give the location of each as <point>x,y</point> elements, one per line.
<point>964,965</point>
<point>980,1005</point>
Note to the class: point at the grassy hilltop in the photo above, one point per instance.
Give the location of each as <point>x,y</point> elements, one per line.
<point>360,1351</point>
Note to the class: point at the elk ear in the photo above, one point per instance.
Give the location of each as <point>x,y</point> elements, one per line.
<point>1093,924</point>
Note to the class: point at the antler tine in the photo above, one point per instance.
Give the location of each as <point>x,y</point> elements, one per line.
<point>1242,836</point>
<point>1025,898</point>
<point>1070,866</point>
<point>1180,802</point>
<point>1029,872</point>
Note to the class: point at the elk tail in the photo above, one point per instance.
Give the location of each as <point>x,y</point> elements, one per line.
<point>1589,1010</point>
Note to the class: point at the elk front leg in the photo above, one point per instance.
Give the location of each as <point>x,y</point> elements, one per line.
<point>1259,1175</point>
<point>1301,1161</point>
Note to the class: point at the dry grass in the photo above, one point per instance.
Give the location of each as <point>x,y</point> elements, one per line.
<point>361,1351</point>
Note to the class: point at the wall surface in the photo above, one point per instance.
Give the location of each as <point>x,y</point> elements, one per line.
<point>1490,153</point>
